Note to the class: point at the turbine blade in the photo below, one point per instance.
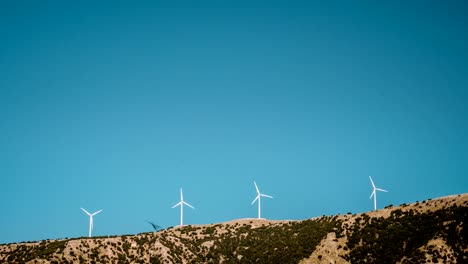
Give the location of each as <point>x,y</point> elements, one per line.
<point>181,195</point>
<point>177,204</point>
<point>256,198</point>
<point>382,190</point>
<point>189,205</point>
<point>256,187</point>
<point>85,211</point>
<point>155,226</point>
<point>95,213</point>
<point>268,196</point>
<point>372,181</point>
<point>372,194</point>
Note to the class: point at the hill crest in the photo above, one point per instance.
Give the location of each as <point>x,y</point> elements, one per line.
<point>431,230</point>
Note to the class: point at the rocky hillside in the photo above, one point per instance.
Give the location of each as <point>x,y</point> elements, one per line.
<point>431,231</point>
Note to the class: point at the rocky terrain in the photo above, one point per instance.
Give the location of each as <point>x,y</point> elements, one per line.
<point>431,231</point>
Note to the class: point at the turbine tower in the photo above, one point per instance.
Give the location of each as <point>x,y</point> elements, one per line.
<point>91,219</point>
<point>374,193</point>
<point>181,203</point>
<point>259,195</point>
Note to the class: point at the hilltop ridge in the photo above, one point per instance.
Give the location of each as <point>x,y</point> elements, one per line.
<point>427,231</point>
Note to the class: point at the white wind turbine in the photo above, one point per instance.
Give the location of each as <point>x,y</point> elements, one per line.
<point>91,219</point>
<point>259,195</point>
<point>181,203</point>
<point>374,193</point>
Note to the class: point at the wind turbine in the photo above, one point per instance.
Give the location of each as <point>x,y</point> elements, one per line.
<point>91,219</point>
<point>155,226</point>
<point>374,193</point>
<point>181,203</point>
<point>259,195</point>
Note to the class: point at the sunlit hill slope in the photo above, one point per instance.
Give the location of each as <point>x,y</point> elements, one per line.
<point>430,231</point>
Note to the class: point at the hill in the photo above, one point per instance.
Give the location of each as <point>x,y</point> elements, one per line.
<point>429,231</point>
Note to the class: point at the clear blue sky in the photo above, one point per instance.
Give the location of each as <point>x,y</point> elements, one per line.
<point>115,105</point>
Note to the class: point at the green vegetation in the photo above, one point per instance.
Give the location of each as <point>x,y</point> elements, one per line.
<point>286,243</point>
<point>43,250</point>
<point>388,240</point>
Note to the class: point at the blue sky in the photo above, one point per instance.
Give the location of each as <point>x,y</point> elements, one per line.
<point>115,105</point>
